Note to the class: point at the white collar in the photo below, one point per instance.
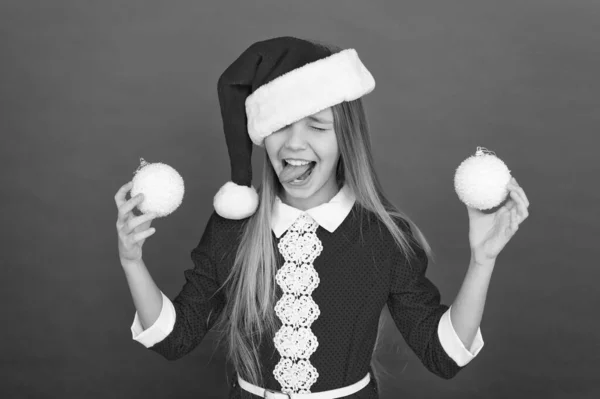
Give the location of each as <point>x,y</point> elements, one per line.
<point>328,215</point>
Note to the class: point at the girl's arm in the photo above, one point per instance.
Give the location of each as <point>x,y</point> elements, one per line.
<point>183,323</point>
<point>467,309</point>
<point>488,235</point>
<point>146,296</point>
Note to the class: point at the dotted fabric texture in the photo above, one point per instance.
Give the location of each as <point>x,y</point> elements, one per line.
<point>360,269</point>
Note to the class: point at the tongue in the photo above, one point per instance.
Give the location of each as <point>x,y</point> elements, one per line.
<point>291,172</point>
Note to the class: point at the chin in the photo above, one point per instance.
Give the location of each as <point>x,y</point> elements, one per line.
<point>301,192</point>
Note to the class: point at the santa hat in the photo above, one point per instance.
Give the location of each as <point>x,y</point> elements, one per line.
<point>274,83</point>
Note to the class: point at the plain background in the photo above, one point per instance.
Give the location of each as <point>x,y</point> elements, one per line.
<point>89,87</point>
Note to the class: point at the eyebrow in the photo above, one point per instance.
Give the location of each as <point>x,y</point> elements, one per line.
<point>316,119</point>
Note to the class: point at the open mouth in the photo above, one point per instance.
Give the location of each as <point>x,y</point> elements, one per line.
<point>296,178</point>
<point>306,174</point>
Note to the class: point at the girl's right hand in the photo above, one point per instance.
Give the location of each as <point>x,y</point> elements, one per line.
<point>132,230</point>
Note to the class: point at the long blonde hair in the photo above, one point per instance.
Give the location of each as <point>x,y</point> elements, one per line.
<point>249,316</point>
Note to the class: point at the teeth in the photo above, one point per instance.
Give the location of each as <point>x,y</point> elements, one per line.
<point>296,163</point>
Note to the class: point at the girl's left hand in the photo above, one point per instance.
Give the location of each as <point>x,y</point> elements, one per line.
<point>489,233</point>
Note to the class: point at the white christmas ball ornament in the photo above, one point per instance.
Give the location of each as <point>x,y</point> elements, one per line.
<point>161,185</point>
<point>480,181</point>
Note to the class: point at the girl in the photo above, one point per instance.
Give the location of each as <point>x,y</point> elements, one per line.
<point>295,278</point>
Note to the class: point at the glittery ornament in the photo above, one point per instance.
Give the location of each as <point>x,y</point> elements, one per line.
<point>481,180</point>
<point>161,185</point>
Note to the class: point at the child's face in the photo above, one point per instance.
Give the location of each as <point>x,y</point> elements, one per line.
<point>313,139</point>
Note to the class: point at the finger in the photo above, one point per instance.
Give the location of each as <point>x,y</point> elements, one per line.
<point>128,206</point>
<point>510,204</point>
<point>515,221</point>
<point>137,221</point>
<point>120,196</point>
<point>520,190</point>
<point>507,222</point>
<point>517,198</point>
<point>143,235</point>
<point>145,224</point>
<point>523,212</point>
<point>505,209</point>
<point>504,217</point>
<point>508,230</point>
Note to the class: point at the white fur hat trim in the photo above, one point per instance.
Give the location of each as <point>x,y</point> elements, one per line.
<point>305,91</point>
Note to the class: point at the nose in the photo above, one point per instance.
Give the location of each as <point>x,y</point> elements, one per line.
<point>295,137</point>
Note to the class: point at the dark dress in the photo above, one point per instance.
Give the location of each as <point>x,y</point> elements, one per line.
<point>360,270</point>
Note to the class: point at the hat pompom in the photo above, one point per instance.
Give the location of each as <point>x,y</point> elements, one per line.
<point>234,201</point>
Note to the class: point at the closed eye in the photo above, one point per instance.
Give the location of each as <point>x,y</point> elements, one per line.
<point>319,129</point>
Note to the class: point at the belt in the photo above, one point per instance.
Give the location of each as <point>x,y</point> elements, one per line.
<point>331,394</point>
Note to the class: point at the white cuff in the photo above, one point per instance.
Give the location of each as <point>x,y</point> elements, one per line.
<point>453,345</point>
<point>161,327</point>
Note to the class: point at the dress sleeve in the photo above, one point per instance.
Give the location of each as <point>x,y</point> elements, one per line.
<point>414,304</point>
<point>198,305</point>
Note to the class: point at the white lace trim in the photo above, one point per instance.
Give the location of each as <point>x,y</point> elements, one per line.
<point>296,308</point>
